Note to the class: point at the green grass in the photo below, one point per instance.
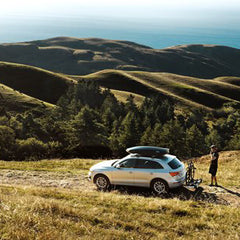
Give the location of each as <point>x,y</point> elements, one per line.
<point>16,101</point>
<point>230,80</point>
<point>47,86</point>
<point>122,96</point>
<point>54,165</point>
<point>29,212</point>
<point>199,93</point>
<point>34,82</point>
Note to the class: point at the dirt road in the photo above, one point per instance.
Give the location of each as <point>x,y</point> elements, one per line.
<point>218,195</point>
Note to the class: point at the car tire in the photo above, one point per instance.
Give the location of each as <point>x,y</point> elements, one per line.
<point>102,183</point>
<point>159,187</point>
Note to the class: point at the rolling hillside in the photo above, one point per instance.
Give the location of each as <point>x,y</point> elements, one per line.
<point>233,80</point>
<point>203,93</point>
<point>24,87</point>
<point>48,86</point>
<point>122,96</point>
<point>37,83</point>
<point>13,100</point>
<point>83,56</point>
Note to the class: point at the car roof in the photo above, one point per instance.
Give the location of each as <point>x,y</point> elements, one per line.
<point>164,158</point>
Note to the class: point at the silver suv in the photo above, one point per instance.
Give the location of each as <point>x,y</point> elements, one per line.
<point>160,173</point>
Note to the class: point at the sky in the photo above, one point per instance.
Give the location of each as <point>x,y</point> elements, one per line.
<point>103,15</point>
<point>123,8</point>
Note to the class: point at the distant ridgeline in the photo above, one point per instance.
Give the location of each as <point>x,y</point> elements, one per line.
<point>83,56</point>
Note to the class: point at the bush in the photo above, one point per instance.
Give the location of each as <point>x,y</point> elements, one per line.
<point>54,149</point>
<point>7,143</point>
<point>31,149</point>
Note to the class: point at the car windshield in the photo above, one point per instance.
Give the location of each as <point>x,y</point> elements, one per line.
<point>116,162</point>
<point>119,160</point>
<point>175,163</point>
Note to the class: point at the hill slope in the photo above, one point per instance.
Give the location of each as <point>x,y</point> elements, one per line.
<point>204,93</point>
<point>37,83</point>
<point>48,86</point>
<point>84,56</point>
<point>13,100</point>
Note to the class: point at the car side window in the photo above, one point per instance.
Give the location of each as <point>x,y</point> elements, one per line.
<point>148,164</point>
<point>129,163</point>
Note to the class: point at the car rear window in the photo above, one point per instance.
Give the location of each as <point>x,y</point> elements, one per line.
<point>174,164</point>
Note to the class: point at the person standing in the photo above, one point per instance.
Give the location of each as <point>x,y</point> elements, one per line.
<point>214,164</point>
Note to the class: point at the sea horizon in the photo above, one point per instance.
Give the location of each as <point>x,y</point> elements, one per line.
<point>152,34</point>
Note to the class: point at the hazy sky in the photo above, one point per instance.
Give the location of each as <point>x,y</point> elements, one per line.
<point>227,9</point>
<point>27,19</point>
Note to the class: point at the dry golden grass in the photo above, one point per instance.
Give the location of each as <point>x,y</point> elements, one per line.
<point>30,212</point>
<point>122,96</point>
<point>228,168</point>
<point>36,213</point>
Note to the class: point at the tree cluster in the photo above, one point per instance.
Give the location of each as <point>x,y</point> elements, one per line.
<point>91,122</point>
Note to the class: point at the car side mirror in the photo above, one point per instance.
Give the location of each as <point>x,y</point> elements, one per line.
<point>118,166</point>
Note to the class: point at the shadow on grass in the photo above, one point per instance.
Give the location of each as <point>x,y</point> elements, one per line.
<point>181,193</point>
<point>230,191</point>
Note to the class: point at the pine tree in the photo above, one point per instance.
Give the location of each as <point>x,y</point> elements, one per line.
<point>7,143</point>
<point>129,131</point>
<point>114,139</point>
<point>146,138</point>
<point>86,129</point>
<point>234,143</point>
<point>156,138</point>
<point>130,105</point>
<point>173,137</point>
<point>214,138</point>
<point>195,142</point>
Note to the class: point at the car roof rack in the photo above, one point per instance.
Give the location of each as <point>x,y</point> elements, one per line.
<point>148,151</point>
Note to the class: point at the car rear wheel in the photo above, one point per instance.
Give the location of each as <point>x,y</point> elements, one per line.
<point>159,187</point>
<point>102,183</point>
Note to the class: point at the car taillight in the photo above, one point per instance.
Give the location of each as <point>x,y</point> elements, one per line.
<point>173,174</point>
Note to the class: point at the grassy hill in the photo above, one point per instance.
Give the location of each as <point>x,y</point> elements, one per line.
<point>48,200</point>
<point>233,80</point>
<point>200,93</point>
<point>122,96</point>
<point>81,56</point>
<point>34,82</point>
<point>48,86</point>
<point>13,100</point>
<point>24,87</point>
<point>28,87</point>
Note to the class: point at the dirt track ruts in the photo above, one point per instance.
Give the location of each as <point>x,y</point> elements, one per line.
<point>219,195</point>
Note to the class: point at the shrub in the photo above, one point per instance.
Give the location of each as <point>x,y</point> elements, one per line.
<point>7,142</point>
<point>31,149</point>
<point>54,149</point>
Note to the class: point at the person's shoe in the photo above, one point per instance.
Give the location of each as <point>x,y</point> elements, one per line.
<point>211,185</point>
<point>216,185</point>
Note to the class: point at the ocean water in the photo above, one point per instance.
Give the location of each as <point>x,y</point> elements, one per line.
<point>151,34</point>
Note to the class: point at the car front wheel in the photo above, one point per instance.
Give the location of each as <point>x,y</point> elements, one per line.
<point>102,183</point>
<point>159,187</point>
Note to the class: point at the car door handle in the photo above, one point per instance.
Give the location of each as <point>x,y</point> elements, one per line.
<point>151,173</point>
<point>130,172</point>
